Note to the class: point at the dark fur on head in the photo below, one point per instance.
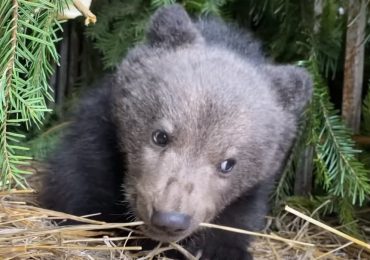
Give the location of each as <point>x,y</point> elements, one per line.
<point>217,98</point>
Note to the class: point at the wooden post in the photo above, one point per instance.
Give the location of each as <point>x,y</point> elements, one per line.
<point>304,178</point>
<point>318,8</point>
<point>73,57</point>
<point>354,64</point>
<point>62,72</point>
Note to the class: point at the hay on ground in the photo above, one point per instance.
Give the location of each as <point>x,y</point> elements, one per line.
<point>28,232</point>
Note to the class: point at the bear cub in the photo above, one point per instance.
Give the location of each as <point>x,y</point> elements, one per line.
<point>193,126</point>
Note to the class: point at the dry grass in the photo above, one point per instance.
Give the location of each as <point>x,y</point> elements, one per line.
<point>27,232</point>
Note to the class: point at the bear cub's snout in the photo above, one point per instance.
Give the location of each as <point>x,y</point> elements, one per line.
<point>171,222</point>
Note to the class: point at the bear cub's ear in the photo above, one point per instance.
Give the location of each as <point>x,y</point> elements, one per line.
<point>293,86</point>
<point>172,27</point>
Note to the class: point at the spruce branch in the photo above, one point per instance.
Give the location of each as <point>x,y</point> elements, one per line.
<point>6,150</point>
<point>28,51</point>
<point>121,25</point>
<point>338,167</point>
<point>13,44</point>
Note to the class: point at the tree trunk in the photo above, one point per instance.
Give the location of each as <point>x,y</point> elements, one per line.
<point>354,64</point>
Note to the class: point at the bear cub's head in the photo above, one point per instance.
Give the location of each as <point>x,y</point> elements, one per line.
<point>201,124</point>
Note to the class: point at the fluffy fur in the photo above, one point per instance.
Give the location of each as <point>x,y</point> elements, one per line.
<point>209,87</point>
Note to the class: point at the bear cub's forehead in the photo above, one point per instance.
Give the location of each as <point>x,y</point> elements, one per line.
<point>197,87</point>
<point>204,71</point>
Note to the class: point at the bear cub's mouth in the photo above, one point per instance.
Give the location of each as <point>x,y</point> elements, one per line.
<point>163,236</point>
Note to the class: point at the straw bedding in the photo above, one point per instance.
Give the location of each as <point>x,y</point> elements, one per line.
<point>29,232</point>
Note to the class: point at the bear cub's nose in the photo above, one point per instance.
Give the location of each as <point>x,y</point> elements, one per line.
<point>172,222</point>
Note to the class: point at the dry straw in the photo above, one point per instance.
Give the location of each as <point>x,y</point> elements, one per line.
<point>28,232</point>
<point>328,228</point>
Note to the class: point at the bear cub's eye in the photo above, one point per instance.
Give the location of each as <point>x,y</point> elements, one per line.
<point>227,165</point>
<point>160,137</point>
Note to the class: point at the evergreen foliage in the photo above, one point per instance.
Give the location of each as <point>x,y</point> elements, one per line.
<point>338,172</point>
<point>27,50</point>
<point>121,25</point>
<point>337,166</point>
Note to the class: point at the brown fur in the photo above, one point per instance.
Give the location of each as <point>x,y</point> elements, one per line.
<point>217,98</point>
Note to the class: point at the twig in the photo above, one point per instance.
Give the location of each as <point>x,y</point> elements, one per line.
<point>11,192</point>
<point>334,250</point>
<point>183,251</point>
<point>100,239</point>
<point>251,233</point>
<point>90,17</point>
<point>337,232</point>
<point>97,248</point>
